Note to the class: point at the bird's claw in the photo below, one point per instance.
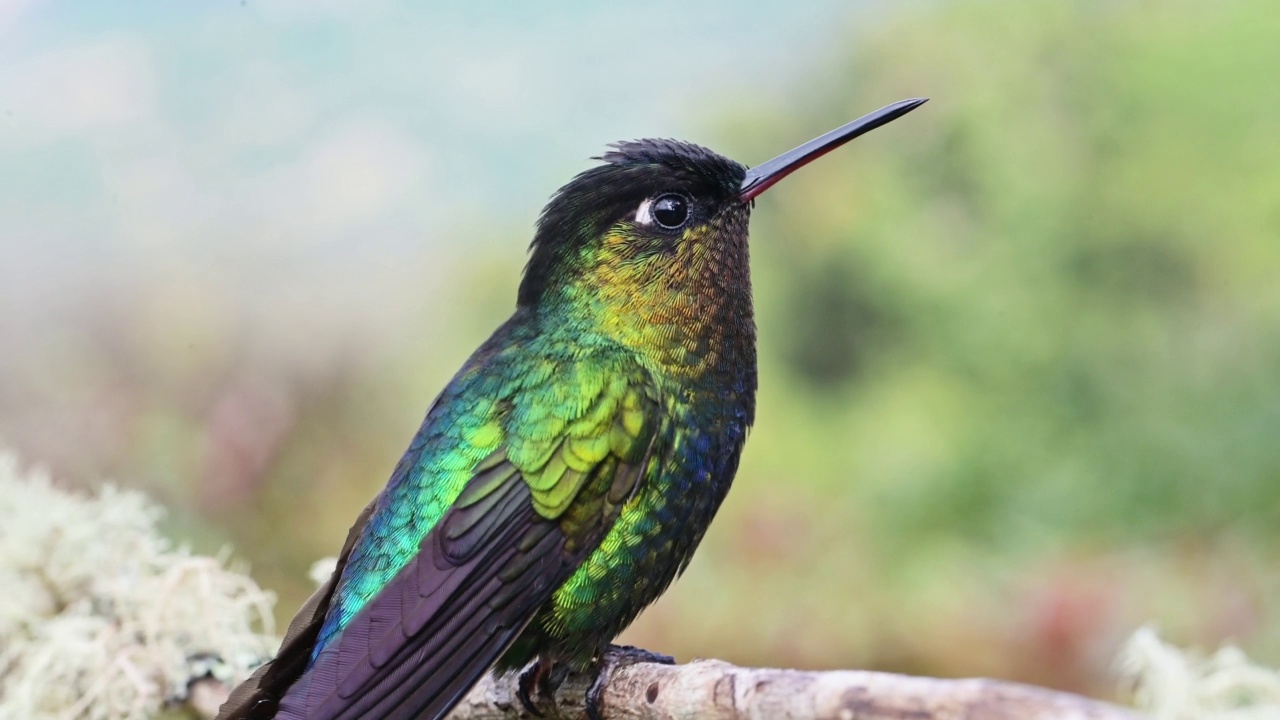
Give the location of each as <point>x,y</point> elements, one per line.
<point>528,680</point>
<point>542,679</point>
<point>614,658</point>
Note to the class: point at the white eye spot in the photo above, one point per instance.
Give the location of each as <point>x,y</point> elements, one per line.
<point>643,214</point>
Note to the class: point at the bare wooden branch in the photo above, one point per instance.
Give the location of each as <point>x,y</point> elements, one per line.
<point>715,690</point>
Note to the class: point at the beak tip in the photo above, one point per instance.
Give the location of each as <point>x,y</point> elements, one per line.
<point>906,106</point>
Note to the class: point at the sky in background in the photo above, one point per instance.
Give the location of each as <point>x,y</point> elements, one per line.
<point>248,146</point>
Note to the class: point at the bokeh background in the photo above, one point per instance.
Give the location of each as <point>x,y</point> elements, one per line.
<point>1020,351</point>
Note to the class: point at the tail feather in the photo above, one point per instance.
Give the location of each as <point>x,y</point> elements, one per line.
<point>258,697</point>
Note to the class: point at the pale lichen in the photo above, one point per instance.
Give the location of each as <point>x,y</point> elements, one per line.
<point>1169,683</point>
<point>103,618</point>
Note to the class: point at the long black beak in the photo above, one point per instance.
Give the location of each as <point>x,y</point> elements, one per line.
<point>764,176</point>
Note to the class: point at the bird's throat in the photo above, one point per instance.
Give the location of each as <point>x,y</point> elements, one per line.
<point>690,316</point>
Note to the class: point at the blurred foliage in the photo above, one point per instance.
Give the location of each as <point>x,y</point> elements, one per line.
<point>1021,347</point>
<point>1020,359</point>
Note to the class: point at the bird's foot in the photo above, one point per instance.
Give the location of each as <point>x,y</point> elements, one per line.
<point>616,657</point>
<point>542,679</point>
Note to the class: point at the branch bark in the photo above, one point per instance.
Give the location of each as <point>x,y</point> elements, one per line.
<point>716,690</point>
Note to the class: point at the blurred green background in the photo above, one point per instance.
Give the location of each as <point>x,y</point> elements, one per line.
<point>1020,351</point>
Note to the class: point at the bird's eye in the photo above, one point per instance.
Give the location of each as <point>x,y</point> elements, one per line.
<point>670,210</point>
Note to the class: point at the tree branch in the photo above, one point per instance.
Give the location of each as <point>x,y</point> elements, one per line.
<point>716,690</point>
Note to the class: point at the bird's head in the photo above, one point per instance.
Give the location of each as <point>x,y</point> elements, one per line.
<point>654,209</point>
<point>654,240</point>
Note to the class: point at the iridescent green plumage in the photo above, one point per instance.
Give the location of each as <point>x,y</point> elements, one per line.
<point>567,473</point>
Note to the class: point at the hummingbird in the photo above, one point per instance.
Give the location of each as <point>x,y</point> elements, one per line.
<point>566,474</point>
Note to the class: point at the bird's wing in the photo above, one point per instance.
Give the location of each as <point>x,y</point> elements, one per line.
<point>257,696</point>
<point>574,447</point>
